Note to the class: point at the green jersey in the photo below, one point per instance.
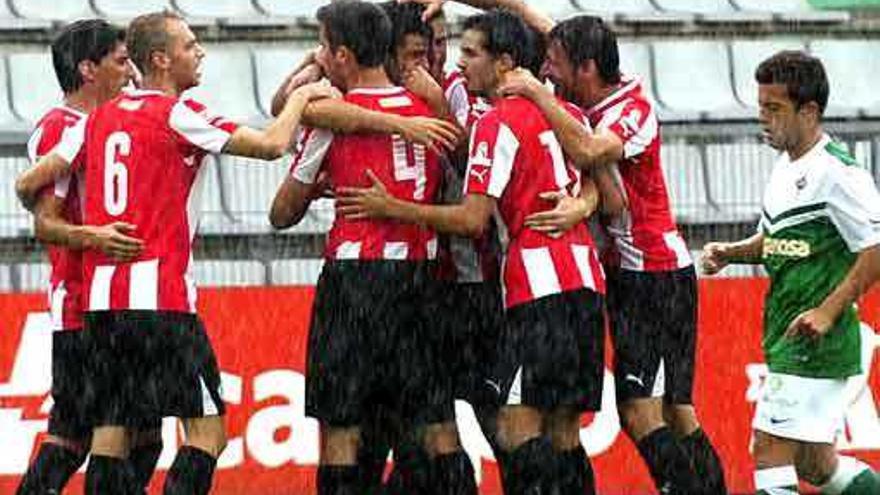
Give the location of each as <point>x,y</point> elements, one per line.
<point>820,211</point>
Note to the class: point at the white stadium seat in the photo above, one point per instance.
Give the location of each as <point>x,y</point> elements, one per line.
<point>53,10</point>
<point>792,11</point>
<point>272,64</point>
<point>297,8</point>
<point>296,271</point>
<point>635,61</point>
<point>747,55</point>
<point>126,9</point>
<point>851,66</point>
<point>232,97</point>
<point>15,221</point>
<point>685,176</point>
<point>229,273</point>
<point>737,175</point>
<point>5,279</point>
<point>34,85</point>
<point>713,11</point>
<point>32,277</point>
<point>217,8</point>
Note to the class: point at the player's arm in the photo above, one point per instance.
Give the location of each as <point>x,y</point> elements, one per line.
<point>717,255</point>
<point>308,71</point>
<point>613,198</point>
<point>568,210</point>
<point>533,18</point>
<point>586,149</point>
<point>274,141</point>
<point>291,202</point>
<point>47,170</point>
<point>468,218</point>
<point>51,227</point>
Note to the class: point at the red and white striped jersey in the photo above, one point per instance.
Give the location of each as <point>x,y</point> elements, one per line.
<point>462,259</point>
<point>144,152</point>
<point>410,171</point>
<point>58,128</point>
<point>645,235</point>
<point>514,157</point>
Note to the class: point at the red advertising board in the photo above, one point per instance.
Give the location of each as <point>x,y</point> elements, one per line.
<point>260,334</point>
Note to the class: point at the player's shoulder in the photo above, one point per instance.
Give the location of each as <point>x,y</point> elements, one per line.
<point>60,117</point>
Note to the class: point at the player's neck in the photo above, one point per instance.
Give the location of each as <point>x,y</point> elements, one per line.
<point>806,144</point>
<point>82,100</point>
<point>374,77</point>
<point>165,85</point>
<point>599,95</point>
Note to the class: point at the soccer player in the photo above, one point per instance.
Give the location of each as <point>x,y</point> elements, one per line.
<point>371,343</point>
<point>91,64</point>
<point>550,363</point>
<point>819,239</point>
<point>150,357</point>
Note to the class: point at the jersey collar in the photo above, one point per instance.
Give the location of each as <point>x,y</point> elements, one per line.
<point>628,84</point>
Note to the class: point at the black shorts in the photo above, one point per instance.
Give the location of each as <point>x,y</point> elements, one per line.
<point>551,353</point>
<point>145,365</point>
<point>373,344</point>
<point>67,418</point>
<point>654,329</point>
<point>473,317</point>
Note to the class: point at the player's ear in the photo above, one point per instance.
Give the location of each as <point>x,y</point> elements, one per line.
<point>160,60</point>
<point>87,70</point>
<point>504,63</point>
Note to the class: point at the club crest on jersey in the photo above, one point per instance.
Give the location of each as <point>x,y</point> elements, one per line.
<point>130,105</point>
<point>481,156</point>
<point>630,123</point>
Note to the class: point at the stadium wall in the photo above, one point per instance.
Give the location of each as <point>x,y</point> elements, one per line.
<point>260,336</point>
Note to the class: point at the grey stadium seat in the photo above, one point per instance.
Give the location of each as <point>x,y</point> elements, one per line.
<point>229,273</point>
<point>12,22</point>
<point>851,66</point>
<point>685,176</point>
<point>792,11</point>
<point>15,221</point>
<point>303,271</point>
<point>635,11</point>
<point>31,277</point>
<point>737,175</point>
<point>747,55</point>
<point>8,119</point>
<point>557,9</point>
<point>232,97</point>
<point>34,85</point>
<point>214,217</point>
<point>298,8</point>
<point>240,13</point>
<point>126,9</point>
<point>693,81</point>
<point>272,64</point>
<point>713,11</point>
<point>53,10</point>
<point>5,279</point>
<point>635,61</point>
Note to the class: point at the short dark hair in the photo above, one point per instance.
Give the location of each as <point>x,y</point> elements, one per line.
<point>88,39</point>
<point>406,18</point>
<point>504,33</point>
<point>802,74</point>
<point>362,27</point>
<point>537,49</point>
<point>148,33</point>
<point>587,38</point>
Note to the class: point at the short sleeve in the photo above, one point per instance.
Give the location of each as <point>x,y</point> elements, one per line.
<point>491,155</point>
<point>635,123</point>
<point>311,149</point>
<point>854,208</point>
<point>199,128</point>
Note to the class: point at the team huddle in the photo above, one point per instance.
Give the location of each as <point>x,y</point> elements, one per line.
<point>488,229</point>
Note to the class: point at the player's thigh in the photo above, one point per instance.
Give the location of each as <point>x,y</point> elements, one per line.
<point>206,433</point>
<point>67,419</point>
<point>517,424</point>
<point>677,295</point>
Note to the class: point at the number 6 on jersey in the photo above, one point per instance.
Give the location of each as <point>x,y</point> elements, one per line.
<point>115,173</point>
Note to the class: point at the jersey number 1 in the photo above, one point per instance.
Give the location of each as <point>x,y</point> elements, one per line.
<point>115,173</point>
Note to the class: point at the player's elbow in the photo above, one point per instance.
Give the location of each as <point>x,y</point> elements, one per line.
<point>281,220</point>
<point>25,192</point>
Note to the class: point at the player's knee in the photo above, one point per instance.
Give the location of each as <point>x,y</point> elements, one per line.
<point>207,434</point>
<point>517,425</point>
<point>441,439</point>
<point>562,426</point>
<point>639,417</point>
<point>770,451</point>
<point>681,418</point>
<point>339,445</point>
<point>816,464</point>
<point>110,441</point>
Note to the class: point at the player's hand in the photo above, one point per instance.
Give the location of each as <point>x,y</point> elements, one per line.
<point>430,132</point>
<point>567,213</point>
<point>309,74</point>
<point>432,7</point>
<point>419,81</point>
<point>812,324</point>
<point>112,240</point>
<point>713,259</point>
<point>520,82</point>
<point>356,203</point>
<point>317,91</point>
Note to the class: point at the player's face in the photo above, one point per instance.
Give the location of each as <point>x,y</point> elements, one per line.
<point>185,54</point>
<point>560,71</point>
<point>779,118</point>
<point>328,61</point>
<point>476,64</point>
<point>413,52</point>
<point>438,49</point>
<point>113,72</point>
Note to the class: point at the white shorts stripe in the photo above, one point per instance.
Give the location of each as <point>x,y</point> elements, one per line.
<point>582,260</point>
<point>56,305</point>
<point>209,408</point>
<point>659,389</point>
<point>514,396</point>
<point>677,245</point>
<point>99,292</point>
<point>432,249</point>
<point>541,272</point>
<point>348,251</point>
<point>143,288</point>
<point>395,251</point>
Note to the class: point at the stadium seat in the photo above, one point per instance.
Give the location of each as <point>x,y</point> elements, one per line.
<point>747,55</point>
<point>851,66</point>
<point>685,175</point>
<point>126,9</point>
<point>792,11</point>
<point>713,11</point>
<point>8,119</point>
<point>632,11</point>
<point>31,277</point>
<point>9,21</point>
<point>738,173</point>
<point>557,9</point>
<point>52,10</point>
<point>217,9</point>
<point>272,64</point>
<point>214,217</point>
<point>304,9</point>
<point>296,272</point>
<point>693,81</point>
<point>34,85</point>
<point>5,279</point>
<point>635,61</point>
<point>233,97</point>
<point>15,221</point>
<point>229,273</point>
